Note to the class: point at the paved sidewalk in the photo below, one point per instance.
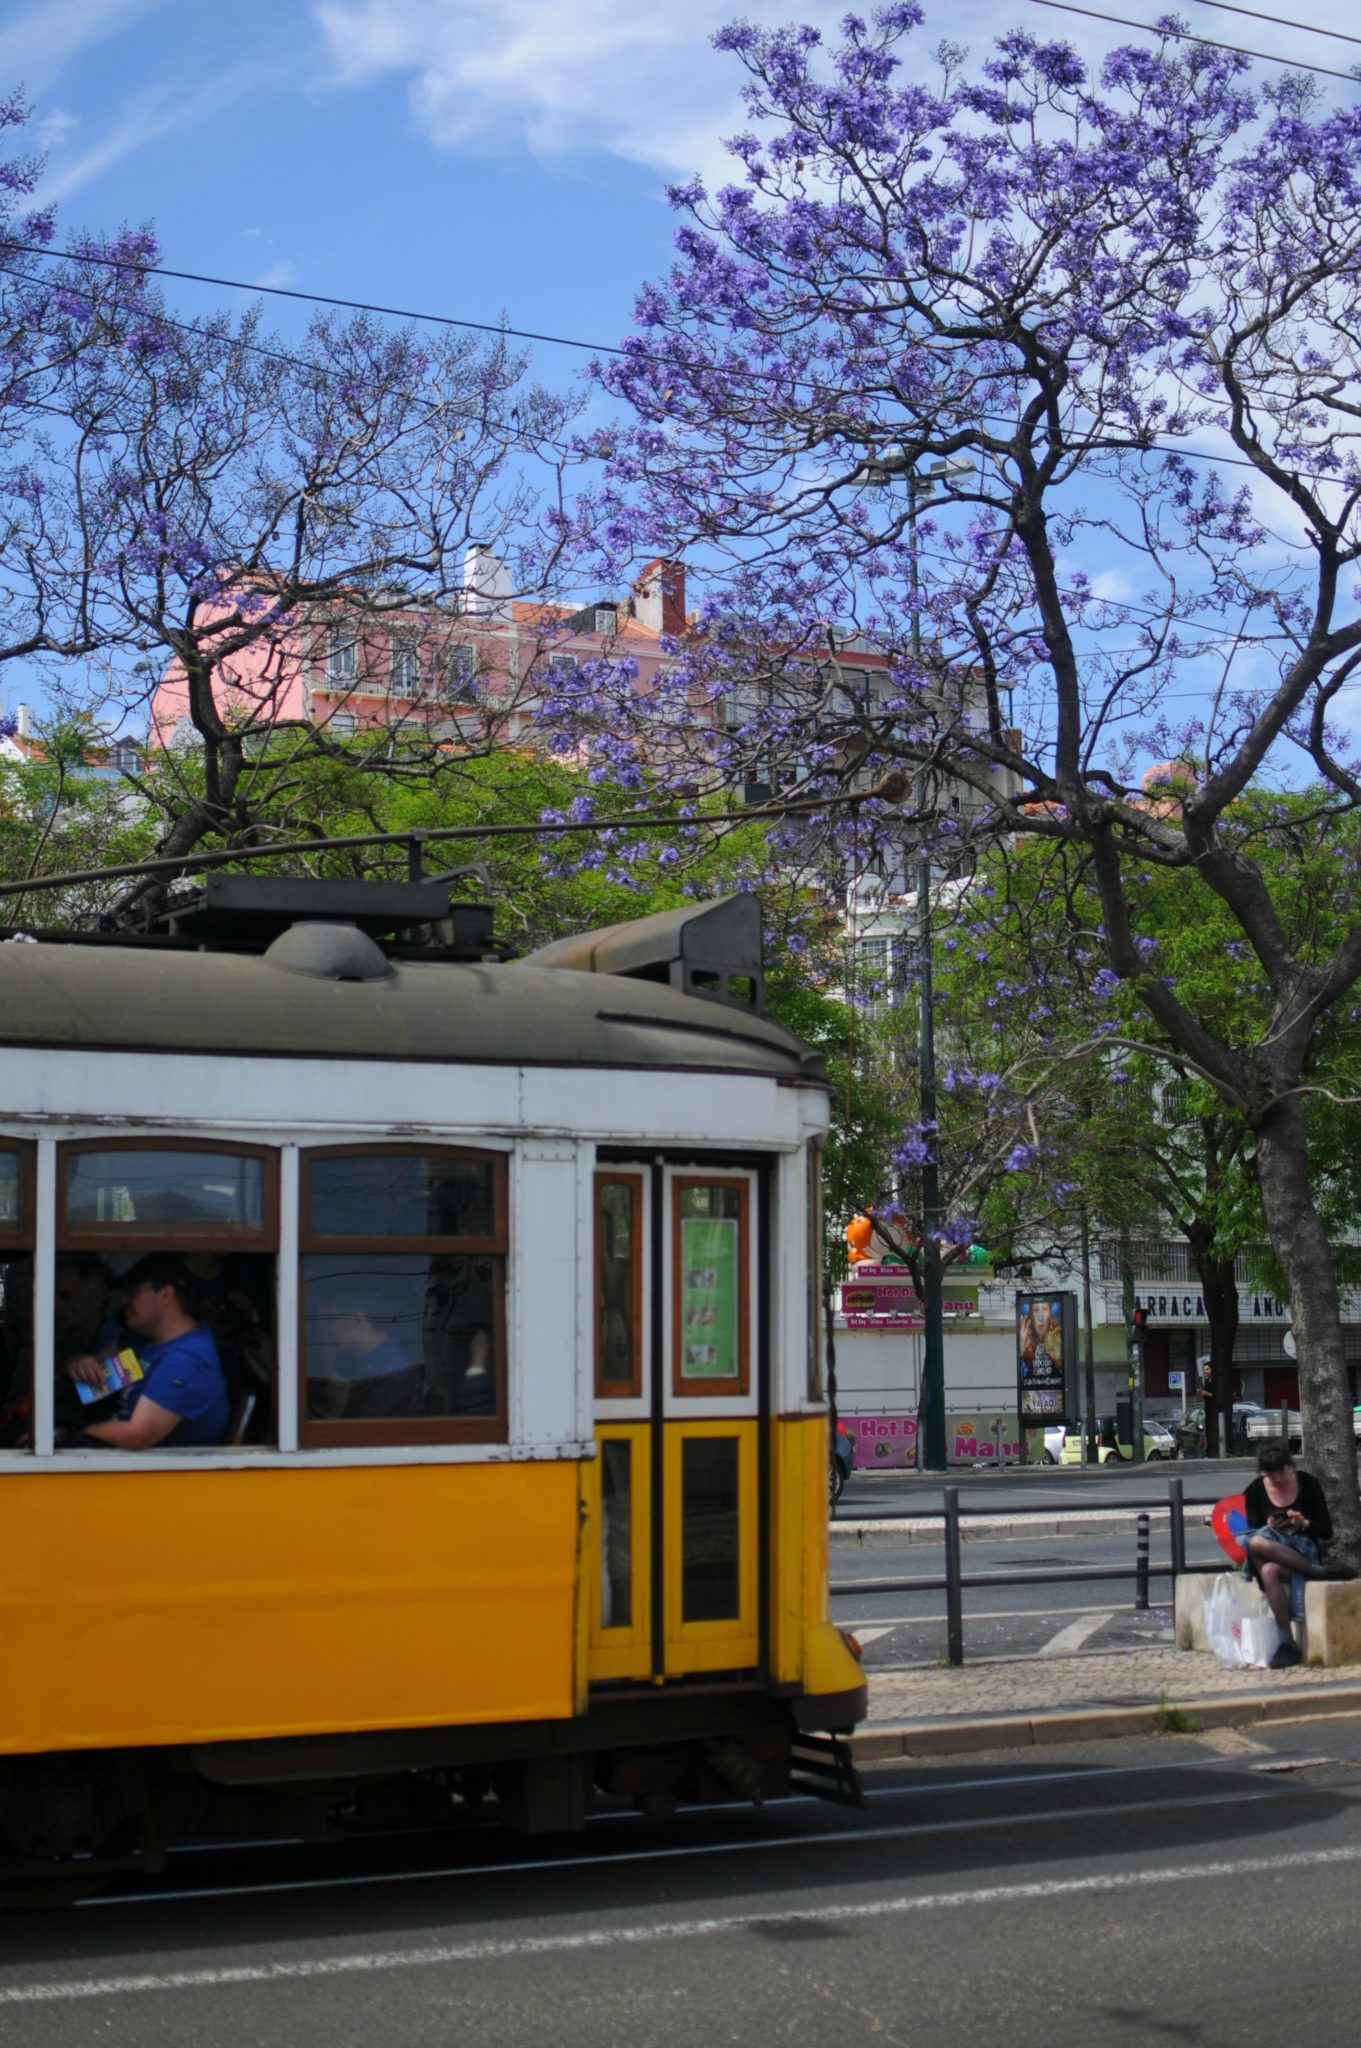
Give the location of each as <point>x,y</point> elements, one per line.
<point>1023,1702</point>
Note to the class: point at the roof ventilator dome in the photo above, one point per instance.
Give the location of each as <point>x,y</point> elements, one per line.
<point>329,952</point>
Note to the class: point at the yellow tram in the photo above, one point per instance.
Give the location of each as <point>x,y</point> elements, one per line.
<point>513,1268</point>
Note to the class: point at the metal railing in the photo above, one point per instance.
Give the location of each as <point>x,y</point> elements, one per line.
<point>954,1580</point>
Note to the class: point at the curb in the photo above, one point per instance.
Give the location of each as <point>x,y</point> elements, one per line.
<point>960,1737</point>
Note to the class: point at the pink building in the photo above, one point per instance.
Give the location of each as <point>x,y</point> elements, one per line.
<point>465,673</point>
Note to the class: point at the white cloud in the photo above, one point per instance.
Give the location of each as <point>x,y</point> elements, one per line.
<point>636,82</point>
<point>36,46</point>
<point>640,82</point>
<point>56,129</point>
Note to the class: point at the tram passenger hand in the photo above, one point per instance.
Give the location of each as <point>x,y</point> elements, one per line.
<point>88,1370</point>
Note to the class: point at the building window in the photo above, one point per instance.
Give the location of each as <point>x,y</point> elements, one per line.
<point>562,664</point>
<point>342,654</point>
<point>403,1296</point>
<point>341,724</point>
<point>460,671</point>
<point>606,618</point>
<point>404,665</point>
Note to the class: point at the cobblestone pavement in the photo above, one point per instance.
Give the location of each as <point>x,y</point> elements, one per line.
<point>1051,1685</point>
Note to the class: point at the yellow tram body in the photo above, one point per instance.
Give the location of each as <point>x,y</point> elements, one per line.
<point>615,1570</point>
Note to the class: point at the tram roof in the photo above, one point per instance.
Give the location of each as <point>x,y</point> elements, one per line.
<point>127,999</point>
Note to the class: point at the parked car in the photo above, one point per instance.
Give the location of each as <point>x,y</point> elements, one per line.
<point>842,1462</point>
<point>1252,1424</point>
<point>1158,1443</point>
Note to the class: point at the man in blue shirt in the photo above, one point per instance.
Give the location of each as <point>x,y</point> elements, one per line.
<point>182,1399</point>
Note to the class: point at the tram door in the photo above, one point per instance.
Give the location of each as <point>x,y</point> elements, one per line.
<point>675,1482</point>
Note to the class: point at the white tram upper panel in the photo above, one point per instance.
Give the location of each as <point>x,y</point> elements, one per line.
<point>322,1026</point>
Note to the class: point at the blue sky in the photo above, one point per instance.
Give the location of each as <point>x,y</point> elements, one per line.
<point>471,156</point>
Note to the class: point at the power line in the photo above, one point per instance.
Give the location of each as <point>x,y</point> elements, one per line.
<point>1184,35</point>
<point>1308,28</point>
<point>190,863</point>
<point>751,374</point>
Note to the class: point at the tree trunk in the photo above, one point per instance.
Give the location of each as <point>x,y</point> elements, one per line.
<point>1306,1259</point>
<point>1219,1291</point>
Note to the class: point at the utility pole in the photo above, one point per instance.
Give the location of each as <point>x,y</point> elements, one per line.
<point>931,1422</point>
<point>1089,1447</point>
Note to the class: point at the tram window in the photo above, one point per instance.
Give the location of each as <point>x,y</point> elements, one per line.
<point>817,1383</point>
<point>16,1296</point>
<point>155,1196</point>
<point>709,1555</point>
<point>616,1564</point>
<point>403,1286</point>
<point>709,1251</point>
<point>16,1351</point>
<point>230,1294</point>
<point>619,1286</point>
<point>407,1196</point>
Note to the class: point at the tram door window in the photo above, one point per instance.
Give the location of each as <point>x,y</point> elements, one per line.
<point>403,1296</point>
<point>674,1483</point>
<point>16,1296</point>
<point>213,1211</point>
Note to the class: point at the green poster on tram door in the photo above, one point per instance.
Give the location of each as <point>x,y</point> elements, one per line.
<point>709,1298</point>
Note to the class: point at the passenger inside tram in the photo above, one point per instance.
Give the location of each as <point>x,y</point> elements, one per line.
<point>403,1335</point>
<point>177,1396</point>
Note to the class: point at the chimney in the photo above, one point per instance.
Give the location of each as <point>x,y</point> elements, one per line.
<point>659,598</point>
<point>23,722</point>
<point>486,583</point>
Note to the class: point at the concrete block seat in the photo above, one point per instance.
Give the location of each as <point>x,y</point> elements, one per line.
<point>1329,1634</point>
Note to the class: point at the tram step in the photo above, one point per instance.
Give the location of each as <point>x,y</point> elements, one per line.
<point>821,1764</point>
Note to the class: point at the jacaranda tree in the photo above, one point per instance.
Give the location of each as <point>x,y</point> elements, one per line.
<point>1045,382</point>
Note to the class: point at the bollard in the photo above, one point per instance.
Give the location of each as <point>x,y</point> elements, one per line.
<point>954,1606</point>
<point>1141,1566</point>
<point>1176,1503</point>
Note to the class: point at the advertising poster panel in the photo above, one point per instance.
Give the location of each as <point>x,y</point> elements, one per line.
<point>1045,1356</point>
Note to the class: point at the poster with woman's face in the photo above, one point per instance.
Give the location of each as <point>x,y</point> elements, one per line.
<point>1039,1354</point>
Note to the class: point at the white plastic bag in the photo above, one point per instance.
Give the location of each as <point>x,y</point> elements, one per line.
<point>1223,1622</point>
<point>1259,1638</point>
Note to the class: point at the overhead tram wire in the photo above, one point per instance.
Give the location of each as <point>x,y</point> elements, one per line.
<point>1307,28</point>
<point>751,374</point>
<point>188,864</point>
<point>1184,35</point>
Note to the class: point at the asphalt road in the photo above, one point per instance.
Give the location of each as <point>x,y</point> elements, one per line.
<point>1106,1486</point>
<point>1117,1894</point>
<point>904,1628</point>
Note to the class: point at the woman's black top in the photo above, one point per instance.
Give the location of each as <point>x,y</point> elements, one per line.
<point>1310,1502</point>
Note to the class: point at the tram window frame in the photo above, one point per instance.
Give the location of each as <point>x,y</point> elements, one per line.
<point>18,1240</point>
<point>166,1235</point>
<point>18,1236</point>
<point>701,1387</point>
<point>407,1432</point>
<point>631,1388</point>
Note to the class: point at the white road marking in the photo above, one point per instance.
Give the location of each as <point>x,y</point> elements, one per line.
<point>866,1636</point>
<point>970,1825</point>
<point>1075,1635</point>
<point>301,1970</point>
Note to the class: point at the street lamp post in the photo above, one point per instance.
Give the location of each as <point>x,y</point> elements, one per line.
<point>931,1400</point>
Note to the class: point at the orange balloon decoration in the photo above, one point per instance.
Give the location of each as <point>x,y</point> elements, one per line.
<point>859,1231</point>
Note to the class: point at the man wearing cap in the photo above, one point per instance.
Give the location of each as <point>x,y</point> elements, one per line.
<point>182,1399</point>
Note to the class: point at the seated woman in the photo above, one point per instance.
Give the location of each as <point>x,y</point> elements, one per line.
<point>1288,1524</point>
<point>182,1399</point>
